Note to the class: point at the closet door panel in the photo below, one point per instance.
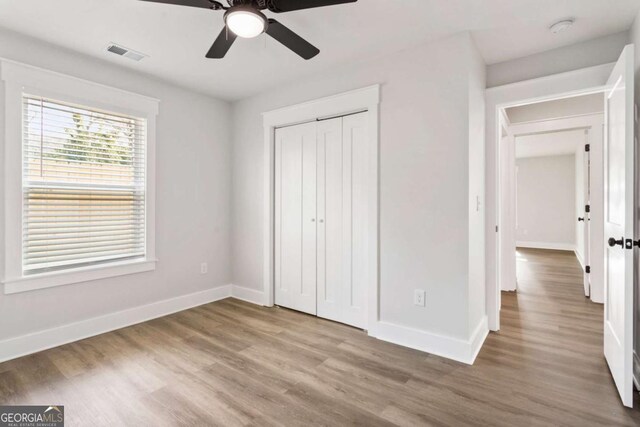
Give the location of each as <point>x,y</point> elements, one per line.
<point>295,243</point>
<point>308,288</point>
<point>342,203</point>
<point>355,220</point>
<point>330,200</point>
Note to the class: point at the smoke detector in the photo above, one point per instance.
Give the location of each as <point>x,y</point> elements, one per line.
<point>561,26</point>
<point>126,52</point>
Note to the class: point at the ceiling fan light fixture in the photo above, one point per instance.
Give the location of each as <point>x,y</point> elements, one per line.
<point>245,22</point>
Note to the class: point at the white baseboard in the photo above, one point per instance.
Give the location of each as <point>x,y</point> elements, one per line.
<point>248,295</point>
<point>464,351</point>
<point>478,337</point>
<point>580,260</point>
<point>547,245</point>
<point>636,370</point>
<point>38,341</point>
<point>452,348</point>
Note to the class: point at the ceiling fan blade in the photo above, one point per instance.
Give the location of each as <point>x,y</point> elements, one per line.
<point>222,44</point>
<point>291,40</point>
<point>279,6</point>
<point>205,4</point>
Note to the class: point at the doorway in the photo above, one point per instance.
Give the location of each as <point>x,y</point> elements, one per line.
<point>550,156</point>
<point>617,204</point>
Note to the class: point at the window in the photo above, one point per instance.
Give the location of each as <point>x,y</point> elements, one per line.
<point>83,186</point>
<point>79,195</point>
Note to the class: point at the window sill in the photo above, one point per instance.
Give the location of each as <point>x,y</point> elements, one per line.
<point>77,275</point>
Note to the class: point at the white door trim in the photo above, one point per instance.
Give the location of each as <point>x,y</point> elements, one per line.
<point>579,82</point>
<point>364,99</point>
<point>593,125</point>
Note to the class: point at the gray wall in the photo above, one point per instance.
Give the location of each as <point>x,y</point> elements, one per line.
<point>598,51</point>
<point>546,200</point>
<point>428,95</point>
<point>192,208</point>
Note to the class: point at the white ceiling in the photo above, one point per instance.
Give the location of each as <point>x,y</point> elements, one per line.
<point>177,38</point>
<point>549,144</point>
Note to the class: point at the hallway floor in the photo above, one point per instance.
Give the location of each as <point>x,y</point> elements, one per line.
<point>553,335</point>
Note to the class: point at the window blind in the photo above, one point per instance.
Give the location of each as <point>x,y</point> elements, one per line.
<point>83,186</point>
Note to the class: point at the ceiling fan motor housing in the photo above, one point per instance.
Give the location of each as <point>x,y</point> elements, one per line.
<point>254,4</point>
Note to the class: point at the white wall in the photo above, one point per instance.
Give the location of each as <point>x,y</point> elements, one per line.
<point>546,202</point>
<point>430,130</point>
<point>477,84</point>
<point>598,51</point>
<point>192,208</point>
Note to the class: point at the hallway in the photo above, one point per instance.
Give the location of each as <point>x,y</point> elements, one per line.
<point>552,336</point>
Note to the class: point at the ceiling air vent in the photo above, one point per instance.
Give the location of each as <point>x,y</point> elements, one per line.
<point>125,51</point>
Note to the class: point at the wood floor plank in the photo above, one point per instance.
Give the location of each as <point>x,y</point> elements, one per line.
<point>231,363</point>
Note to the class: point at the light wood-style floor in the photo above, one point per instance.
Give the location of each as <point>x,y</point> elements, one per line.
<point>232,363</point>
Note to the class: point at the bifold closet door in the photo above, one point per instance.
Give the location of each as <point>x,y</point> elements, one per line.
<point>295,217</point>
<point>342,213</point>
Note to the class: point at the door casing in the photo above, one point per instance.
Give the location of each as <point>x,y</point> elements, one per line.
<point>359,100</point>
<point>592,124</point>
<point>580,82</point>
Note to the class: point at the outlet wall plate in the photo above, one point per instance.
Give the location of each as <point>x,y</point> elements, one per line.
<point>203,268</point>
<point>419,298</point>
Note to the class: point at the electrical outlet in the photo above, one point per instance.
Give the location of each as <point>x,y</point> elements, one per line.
<point>203,268</point>
<point>419,298</point>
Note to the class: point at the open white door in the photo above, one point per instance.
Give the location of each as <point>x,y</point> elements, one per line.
<point>619,225</point>
<point>586,229</point>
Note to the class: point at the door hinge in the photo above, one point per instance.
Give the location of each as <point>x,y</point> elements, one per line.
<point>587,269</point>
<point>496,228</point>
<point>587,208</point>
<point>587,147</point>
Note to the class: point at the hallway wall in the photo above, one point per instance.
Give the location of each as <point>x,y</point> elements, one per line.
<point>546,202</point>
<point>602,50</point>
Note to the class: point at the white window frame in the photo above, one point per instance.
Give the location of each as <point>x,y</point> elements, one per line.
<point>20,78</point>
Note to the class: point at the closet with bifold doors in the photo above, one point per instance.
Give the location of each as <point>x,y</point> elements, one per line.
<point>321,187</point>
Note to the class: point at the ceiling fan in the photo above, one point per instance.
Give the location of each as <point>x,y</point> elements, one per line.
<point>243,18</point>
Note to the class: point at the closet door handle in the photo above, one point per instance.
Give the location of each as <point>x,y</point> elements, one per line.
<point>321,221</point>
<point>313,220</point>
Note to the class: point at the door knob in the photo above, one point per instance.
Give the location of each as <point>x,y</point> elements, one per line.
<point>613,242</point>
<point>580,219</point>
